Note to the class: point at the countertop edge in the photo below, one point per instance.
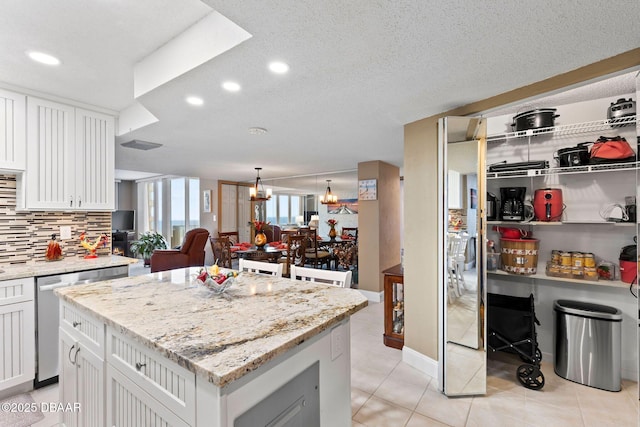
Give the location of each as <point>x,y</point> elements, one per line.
<point>67,265</point>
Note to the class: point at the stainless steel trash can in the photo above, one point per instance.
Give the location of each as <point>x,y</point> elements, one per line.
<point>587,343</point>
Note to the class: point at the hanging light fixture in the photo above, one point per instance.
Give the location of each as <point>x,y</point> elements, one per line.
<point>328,197</point>
<point>257,192</point>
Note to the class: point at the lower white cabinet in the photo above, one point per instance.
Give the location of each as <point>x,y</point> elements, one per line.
<point>82,382</point>
<point>17,332</point>
<point>129,406</point>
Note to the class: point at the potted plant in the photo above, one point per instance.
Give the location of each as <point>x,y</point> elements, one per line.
<point>146,244</point>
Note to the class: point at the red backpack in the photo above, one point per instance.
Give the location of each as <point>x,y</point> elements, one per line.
<point>611,150</point>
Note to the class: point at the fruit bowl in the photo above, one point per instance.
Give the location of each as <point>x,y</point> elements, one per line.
<point>216,287</point>
<point>219,282</point>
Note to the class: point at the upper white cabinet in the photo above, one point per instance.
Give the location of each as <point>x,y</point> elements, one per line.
<point>70,158</point>
<point>94,161</point>
<point>12,131</point>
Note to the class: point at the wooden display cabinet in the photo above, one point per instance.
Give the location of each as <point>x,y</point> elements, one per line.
<point>394,307</point>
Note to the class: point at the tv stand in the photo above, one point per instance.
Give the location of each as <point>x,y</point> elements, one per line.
<point>121,242</point>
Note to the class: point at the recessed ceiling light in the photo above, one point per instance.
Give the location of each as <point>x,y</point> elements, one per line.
<point>257,131</point>
<point>278,67</point>
<point>231,86</point>
<point>194,100</point>
<point>43,58</point>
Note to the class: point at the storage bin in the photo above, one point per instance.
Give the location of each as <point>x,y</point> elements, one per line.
<point>519,256</point>
<point>587,343</point>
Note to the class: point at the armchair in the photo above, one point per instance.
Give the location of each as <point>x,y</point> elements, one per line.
<point>190,254</point>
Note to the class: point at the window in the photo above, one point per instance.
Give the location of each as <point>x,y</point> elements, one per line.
<point>179,198</point>
<point>283,208</point>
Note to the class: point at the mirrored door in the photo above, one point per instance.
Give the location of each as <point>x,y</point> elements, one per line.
<point>463,362</point>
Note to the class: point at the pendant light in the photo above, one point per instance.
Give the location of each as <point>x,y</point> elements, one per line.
<point>257,192</point>
<point>328,197</point>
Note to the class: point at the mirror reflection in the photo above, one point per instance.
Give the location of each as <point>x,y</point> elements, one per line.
<point>464,353</point>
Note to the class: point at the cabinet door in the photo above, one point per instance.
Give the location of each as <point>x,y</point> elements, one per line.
<point>13,146</point>
<point>90,375</point>
<point>94,161</point>
<point>130,406</point>
<point>68,377</point>
<point>17,355</point>
<point>50,137</point>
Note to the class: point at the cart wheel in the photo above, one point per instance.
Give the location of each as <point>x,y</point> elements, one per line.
<point>528,359</point>
<point>530,377</point>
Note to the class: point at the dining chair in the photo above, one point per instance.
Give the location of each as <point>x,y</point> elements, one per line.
<point>234,239</point>
<point>315,255</point>
<point>351,232</point>
<point>221,247</point>
<point>295,254</point>
<point>273,269</point>
<point>346,255</point>
<point>340,279</point>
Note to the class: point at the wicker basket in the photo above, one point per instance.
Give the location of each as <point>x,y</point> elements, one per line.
<point>519,256</point>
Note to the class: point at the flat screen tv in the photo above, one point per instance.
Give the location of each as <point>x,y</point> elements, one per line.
<point>123,220</point>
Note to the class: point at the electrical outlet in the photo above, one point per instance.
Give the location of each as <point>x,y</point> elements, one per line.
<point>337,342</point>
<point>65,232</point>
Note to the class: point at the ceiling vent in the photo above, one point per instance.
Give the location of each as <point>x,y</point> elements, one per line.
<point>141,145</point>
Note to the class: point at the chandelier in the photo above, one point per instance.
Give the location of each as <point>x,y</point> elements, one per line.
<point>328,197</point>
<point>257,193</point>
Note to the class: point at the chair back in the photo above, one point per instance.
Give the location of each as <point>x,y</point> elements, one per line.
<point>341,279</point>
<point>296,252</point>
<point>234,237</point>
<point>347,255</point>
<point>273,233</point>
<point>221,247</point>
<point>273,269</point>
<point>352,232</point>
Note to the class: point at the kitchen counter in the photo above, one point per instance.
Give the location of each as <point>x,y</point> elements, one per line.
<point>66,265</point>
<point>218,337</point>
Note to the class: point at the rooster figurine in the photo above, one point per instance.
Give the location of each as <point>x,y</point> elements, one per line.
<point>92,247</point>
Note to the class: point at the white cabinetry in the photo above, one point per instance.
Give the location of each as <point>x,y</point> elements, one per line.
<point>70,158</point>
<point>82,379</point>
<point>17,332</point>
<point>12,131</point>
<point>137,376</point>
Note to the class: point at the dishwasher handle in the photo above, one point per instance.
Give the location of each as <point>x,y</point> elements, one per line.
<point>62,285</point>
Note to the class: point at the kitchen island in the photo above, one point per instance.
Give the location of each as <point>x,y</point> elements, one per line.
<point>169,349</point>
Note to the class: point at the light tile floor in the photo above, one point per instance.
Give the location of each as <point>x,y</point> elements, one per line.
<point>387,392</point>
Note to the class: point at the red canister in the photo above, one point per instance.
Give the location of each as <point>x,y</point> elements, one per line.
<point>547,204</point>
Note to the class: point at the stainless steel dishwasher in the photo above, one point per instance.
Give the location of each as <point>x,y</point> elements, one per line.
<point>48,316</point>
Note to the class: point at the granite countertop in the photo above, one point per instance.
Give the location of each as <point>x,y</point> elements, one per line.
<point>66,265</point>
<point>219,337</point>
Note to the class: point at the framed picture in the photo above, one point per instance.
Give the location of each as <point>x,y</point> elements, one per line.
<point>368,189</point>
<point>343,206</point>
<point>206,201</point>
<point>473,198</point>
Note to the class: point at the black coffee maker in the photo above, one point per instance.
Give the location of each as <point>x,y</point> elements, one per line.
<point>512,208</point>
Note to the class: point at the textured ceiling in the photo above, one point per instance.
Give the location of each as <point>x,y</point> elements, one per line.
<point>360,70</point>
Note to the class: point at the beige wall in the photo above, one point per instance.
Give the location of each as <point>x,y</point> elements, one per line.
<point>378,225</point>
<point>421,192</point>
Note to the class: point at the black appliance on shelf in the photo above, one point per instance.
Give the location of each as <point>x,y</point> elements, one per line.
<point>512,208</point>
<point>492,207</point>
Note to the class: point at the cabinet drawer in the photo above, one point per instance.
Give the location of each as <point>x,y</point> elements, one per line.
<point>172,385</point>
<point>129,406</point>
<point>83,327</point>
<point>16,290</point>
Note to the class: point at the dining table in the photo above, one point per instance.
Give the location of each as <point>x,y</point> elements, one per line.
<point>269,253</point>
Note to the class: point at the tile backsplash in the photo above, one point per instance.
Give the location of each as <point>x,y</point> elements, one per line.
<point>24,235</point>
